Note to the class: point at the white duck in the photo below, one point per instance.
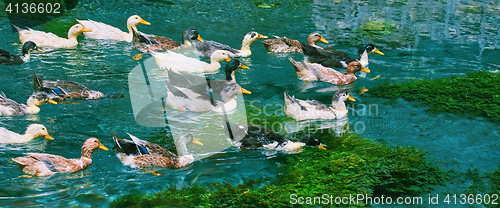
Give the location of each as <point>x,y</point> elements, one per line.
<point>9,107</point>
<point>50,39</point>
<point>313,109</point>
<point>33,131</point>
<point>104,31</point>
<point>180,62</point>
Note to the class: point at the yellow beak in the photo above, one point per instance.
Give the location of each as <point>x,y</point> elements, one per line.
<point>199,38</point>
<point>243,67</point>
<point>378,52</point>
<point>261,36</point>
<point>351,98</point>
<point>323,40</point>
<point>322,147</point>
<point>228,59</point>
<point>245,91</point>
<point>52,101</point>
<point>195,141</point>
<point>40,50</point>
<point>86,30</point>
<point>145,22</point>
<point>102,147</point>
<point>48,137</point>
<point>363,69</point>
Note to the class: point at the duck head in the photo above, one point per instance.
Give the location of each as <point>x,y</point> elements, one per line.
<point>355,67</point>
<point>38,130</point>
<point>135,20</point>
<point>315,37</point>
<point>76,29</point>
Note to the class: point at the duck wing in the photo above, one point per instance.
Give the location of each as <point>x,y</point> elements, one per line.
<point>12,105</point>
<point>102,31</point>
<point>151,148</point>
<point>55,163</point>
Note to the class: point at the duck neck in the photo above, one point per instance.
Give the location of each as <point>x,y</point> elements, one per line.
<point>28,135</point>
<point>245,47</point>
<point>32,106</point>
<point>181,147</point>
<point>72,37</point>
<point>339,106</point>
<point>25,57</point>
<point>231,77</point>
<point>130,27</point>
<point>350,77</point>
<point>363,58</point>
<point>87,153</point>
<point>214,64</point>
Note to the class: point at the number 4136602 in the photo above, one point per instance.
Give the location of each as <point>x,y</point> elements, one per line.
<point>34,8</point>
<point>471,199</point>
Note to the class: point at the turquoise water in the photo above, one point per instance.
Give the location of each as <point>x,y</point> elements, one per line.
<point>433,39</point>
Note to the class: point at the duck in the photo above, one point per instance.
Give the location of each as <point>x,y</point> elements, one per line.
<point>194,93</point>
<point>41,164</point>
<point>32,131</point>
<point>61,90</point>
<point>7,58</point>
<point>283,45</point>
<point>313,109</point>
<point>334,58</point>
<point>180,62</point>
<point>143,154</point>
<point>147,43</point>
<point>207,47</point>
<point>104,31</point>
<point>317,72</point>
<point>260,137</point>
<point>50,39</point>
<point>10,107</point>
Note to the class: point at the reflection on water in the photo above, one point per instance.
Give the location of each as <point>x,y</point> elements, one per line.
<point>424,39</point>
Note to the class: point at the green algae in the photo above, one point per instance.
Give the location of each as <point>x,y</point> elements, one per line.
<point>350,165</point>
<point>475,95</point>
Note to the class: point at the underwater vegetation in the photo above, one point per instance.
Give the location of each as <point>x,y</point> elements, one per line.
<point>474,95</point>
<point>350,165</point>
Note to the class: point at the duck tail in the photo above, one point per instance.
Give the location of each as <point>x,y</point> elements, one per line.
<point>17,28</point>
<point>117,146</point>
<point>138,38</point>
<point>37,82</point>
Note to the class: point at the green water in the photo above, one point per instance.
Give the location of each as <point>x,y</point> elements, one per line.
<point>429,39</point>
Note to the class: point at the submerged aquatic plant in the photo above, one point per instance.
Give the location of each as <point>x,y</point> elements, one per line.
<point>476,94</point>
<point>350,165</point>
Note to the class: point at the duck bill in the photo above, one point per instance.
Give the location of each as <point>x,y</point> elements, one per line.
<point>102,147</point>
<point>245,91</point>
<point>195,141</point>
<point>378,52</point>
<point>228,59</point>
<point>52,101</point>
<point>363,69</point>
<point>321,147</point>
<point>322,39</point>
<point>40,50</point>
<point>199,38</point>
<point>48,137</point>
<point>144,22</point>
<point>261,36</point>
<point>351,98</point>
<point>243,67</point>
<point>86,29</point>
